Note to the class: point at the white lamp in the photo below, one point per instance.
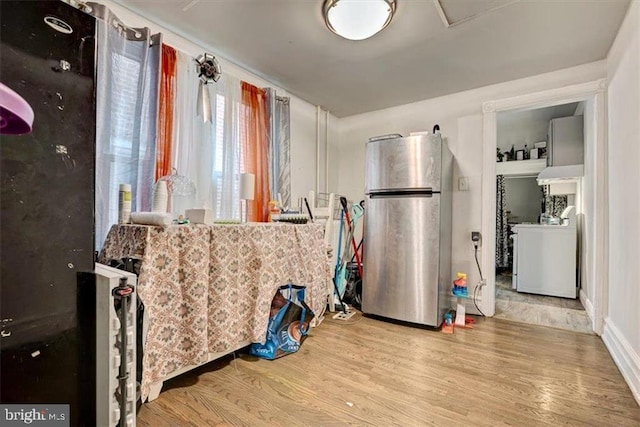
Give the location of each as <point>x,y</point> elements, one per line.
<point>358,19</point>
<point>247,192</point>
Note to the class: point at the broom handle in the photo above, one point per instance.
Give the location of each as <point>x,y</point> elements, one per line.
<point>343,202</point>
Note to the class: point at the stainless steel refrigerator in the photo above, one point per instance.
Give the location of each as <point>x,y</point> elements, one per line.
<point>407,256</point>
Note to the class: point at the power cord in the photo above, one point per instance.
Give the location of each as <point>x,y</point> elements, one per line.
<point>479,285</point>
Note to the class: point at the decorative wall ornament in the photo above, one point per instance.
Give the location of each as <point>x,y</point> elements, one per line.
<point>488,107</point>
<point>209,72</point>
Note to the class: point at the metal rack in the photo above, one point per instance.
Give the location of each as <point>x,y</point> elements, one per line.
<point>323,201</point>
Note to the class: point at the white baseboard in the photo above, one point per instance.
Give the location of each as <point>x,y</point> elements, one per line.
<point>586,303</point>
<point>624,356</point>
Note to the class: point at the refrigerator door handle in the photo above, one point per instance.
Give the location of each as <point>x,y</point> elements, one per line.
<point>385,137</point>
<point>403,193</point>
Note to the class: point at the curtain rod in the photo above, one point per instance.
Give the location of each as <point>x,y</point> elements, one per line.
<point>283,99</point>
<point>100,11</point>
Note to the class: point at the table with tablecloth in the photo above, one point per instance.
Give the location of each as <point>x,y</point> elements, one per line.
<point>206,289</point>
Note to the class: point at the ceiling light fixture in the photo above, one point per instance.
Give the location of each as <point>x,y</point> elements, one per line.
<point>358,19</point>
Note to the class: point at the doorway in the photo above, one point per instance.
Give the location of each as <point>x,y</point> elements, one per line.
<point>592,219</point>
<point>535,286</point>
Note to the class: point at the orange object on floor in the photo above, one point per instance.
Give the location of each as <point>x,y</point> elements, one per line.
<point>469,322</point>
<point>447,329</point>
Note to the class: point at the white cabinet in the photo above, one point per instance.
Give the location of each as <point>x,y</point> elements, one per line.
<point>566,141</point>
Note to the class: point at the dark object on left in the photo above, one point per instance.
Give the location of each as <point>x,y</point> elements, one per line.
<point>47,199</point>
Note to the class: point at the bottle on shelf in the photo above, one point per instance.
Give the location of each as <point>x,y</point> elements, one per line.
<point>124,204</point>
<point>274,210</point>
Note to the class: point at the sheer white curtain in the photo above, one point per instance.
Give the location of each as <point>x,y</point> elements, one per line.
<point>227,153</point>
<point>126,107</point>
<point>193,139</point>
<point>208,153</point>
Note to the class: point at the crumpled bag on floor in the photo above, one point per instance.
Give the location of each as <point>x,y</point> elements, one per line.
<point>289,321</point>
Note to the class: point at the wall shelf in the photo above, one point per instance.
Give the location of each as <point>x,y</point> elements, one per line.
<point>521,167</point>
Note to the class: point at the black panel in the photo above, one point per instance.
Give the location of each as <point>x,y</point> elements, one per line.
<point>46,199</point>
<point>86,352</point>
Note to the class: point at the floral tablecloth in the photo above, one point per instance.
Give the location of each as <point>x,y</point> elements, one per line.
<point>209,288</point>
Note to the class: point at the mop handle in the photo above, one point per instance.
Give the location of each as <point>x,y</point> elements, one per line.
<point>339,254</point>
<point>345,208</point>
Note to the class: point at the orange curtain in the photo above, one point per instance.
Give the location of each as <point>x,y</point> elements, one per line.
<point>254,146</point>
<point>165,111</point>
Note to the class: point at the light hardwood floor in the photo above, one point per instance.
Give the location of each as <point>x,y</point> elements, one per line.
<point>369,372</point>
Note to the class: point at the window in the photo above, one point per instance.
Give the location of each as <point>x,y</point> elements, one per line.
<point>226,163</point>
<point>219,152</point>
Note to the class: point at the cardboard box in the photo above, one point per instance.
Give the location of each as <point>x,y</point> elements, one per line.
<point>200,216</point>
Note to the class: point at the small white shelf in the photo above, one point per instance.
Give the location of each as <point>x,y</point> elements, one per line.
<point>521,167</point>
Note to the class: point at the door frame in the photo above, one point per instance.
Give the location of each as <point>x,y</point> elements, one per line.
<point>595,91</point>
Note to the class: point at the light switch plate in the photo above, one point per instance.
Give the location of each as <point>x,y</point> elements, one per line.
<point>463,183</point>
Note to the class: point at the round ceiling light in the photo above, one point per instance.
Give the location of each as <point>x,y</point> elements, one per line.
<point>358,19</point>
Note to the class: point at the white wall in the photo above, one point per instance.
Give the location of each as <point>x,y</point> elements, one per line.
<point>303,148</point>
<point>327,152</point>
<point>622,326</point>
<point>303,114</point>
<point>523,197</point>
<point>460,118</point>
<point>517,135</point>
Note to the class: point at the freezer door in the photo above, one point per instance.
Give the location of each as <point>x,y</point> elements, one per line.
<point>401,273</point>
<point>403,163</point>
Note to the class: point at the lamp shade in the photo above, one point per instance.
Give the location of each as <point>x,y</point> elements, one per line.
<point>358,19</point>
<point>247,186</point>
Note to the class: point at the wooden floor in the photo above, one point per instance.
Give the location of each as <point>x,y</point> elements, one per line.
<point>368,372</point>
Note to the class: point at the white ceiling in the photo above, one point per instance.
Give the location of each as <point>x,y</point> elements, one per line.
<point>416,57</point>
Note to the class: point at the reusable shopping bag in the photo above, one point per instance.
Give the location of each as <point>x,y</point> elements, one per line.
<point>289,321</point>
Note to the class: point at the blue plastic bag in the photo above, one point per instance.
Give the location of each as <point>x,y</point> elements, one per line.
<point>289,321</point>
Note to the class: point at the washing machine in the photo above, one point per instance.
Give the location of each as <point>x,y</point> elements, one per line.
<point>545,257</point>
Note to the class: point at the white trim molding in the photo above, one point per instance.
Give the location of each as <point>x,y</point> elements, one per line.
<point>588,306</point>
<point>548,98</point>
<point>595,90</point>
<point>627,360</point>
<point>601,250</point>
<point>488,227</point>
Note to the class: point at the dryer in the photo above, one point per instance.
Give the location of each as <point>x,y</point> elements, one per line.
<point>545,257</point>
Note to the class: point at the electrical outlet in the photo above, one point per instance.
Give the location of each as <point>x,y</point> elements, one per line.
<point>476,236</point>
<point>463,183</point>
